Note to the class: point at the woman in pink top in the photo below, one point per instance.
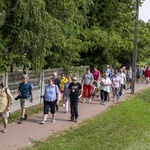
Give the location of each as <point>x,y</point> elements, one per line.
<point>96,74</point>
<point>96,83</point>
<point>147,74</point>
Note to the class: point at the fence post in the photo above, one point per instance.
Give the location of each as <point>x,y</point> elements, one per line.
<point>42,86</point>
<point>6,79</point>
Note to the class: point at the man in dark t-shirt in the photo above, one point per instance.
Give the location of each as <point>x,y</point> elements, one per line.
<point>74,91</point>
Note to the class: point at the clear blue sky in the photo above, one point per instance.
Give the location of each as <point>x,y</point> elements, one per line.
<point>144,11</point>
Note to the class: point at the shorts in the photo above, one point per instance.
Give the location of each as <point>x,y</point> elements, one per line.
<point>24,103</point>
<point>50,105</point>
<point>129,79</point>
<point>5,114</point>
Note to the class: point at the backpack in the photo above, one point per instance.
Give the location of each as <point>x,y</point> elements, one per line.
<point>9,97</point>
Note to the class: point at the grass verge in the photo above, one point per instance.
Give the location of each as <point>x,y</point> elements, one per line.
<point>125,126</point>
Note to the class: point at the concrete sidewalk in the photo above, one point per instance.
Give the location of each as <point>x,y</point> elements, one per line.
<point>21,135</point>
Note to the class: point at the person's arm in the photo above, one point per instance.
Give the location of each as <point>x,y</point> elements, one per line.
<point>31,99</point>
<point>80,90</point>
<point>9,98</point>
<point>31,93</point>
<point>19,90</point>
<point>92,78</point>
<point>57,94</point>
<point>82,80</point>
<point>68,91</point>
<point>99,74</point>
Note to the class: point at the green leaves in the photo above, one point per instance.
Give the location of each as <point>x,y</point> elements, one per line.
<point>63,33</point>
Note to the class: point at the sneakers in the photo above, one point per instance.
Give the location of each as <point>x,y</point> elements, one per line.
<point>25,117</point>
<point>21,120</point>
<point>53,120</point>
<point>102,103</point>
<point>5,130</point>
<point>65,112</point>
<point>43,122</point>
<point>76,120</point>
<point>89,100</point>
<point>83,101</point>
<point>115,101</point>
<point>71,119</point>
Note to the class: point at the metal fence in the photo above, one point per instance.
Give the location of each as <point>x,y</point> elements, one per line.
<point>12,81</point>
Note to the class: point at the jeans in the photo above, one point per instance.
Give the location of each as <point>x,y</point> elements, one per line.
<point>121,89</point>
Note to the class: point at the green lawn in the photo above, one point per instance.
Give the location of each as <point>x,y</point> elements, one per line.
<point>125,126</point>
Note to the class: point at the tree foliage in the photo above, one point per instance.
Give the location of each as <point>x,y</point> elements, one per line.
<point>60,33</point>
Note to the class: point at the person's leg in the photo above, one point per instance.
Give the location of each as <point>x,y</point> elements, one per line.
<point>24,105</point>
<point>117,93</point>
<point>76,109</point>
<point>66,106</point>
<point>105,96</point>
<point>5,116</point>
<point>46,109</point>
<point>108,96</point>
<point>84,92</point>
<point>113,92</point>
<point>102,96</point>
<point>63,100</point>
<point>89,87</point>
<point>23,112</point>
<point>72,109</point>
<point>120,92</point>
<point>52,107</point>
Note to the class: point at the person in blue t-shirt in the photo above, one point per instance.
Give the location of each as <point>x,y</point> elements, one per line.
<point>51,98</point>
<point>25,94</point>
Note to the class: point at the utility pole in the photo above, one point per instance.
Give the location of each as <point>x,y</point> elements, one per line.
<point>135,47</point>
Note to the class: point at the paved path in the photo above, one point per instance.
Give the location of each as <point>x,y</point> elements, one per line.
<point>20,136</point>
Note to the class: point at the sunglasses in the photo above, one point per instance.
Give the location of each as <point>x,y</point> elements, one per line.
<point>74,80</point>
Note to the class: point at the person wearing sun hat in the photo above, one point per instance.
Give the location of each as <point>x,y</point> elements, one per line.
<point>6,99</point>
<point>25,95</point>
<point>74,91</point>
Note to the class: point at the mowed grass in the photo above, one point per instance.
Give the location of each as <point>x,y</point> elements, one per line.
<point>125,126</point>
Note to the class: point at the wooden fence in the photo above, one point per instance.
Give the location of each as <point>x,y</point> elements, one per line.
<point>12,81</point>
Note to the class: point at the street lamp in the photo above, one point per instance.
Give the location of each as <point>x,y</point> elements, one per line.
<point>135,47</point>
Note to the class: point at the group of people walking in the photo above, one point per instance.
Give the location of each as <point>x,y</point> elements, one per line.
<point>70,90</point>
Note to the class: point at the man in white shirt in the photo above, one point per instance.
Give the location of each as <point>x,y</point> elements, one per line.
<point>122,82</point>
